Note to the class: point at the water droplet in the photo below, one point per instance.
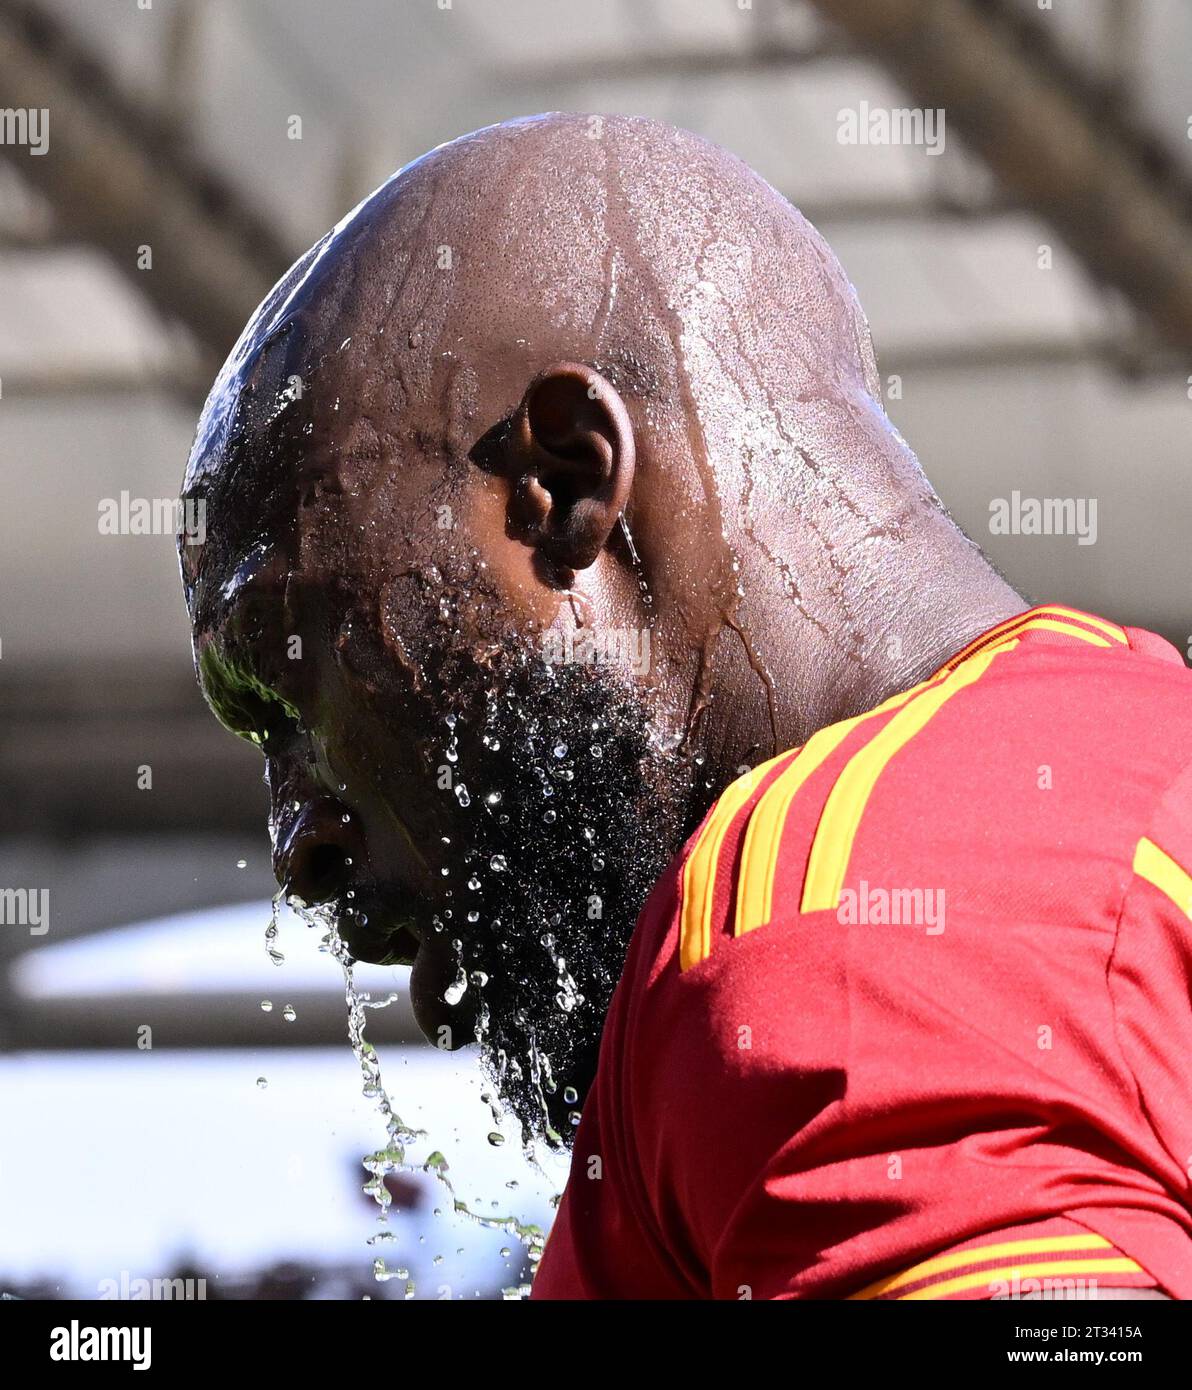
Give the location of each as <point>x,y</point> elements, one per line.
<point>289,1013</point>
<point>496,1138</point>
<point>570,1095</point>
<point>560,750</point>
<point>497,863</point>
<point>262,1082</point>
<point>242,863</point>
<point>462,795</point>
<point>266,1006</point>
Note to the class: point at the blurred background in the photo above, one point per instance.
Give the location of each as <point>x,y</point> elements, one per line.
<point>1029,287</point>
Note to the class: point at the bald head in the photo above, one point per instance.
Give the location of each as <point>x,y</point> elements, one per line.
<point>548,491</point>
<point>703,297</point>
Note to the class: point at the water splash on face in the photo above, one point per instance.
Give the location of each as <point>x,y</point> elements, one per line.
<point>575,808</point>
<point>393,1156</point>
<point>271,949</point>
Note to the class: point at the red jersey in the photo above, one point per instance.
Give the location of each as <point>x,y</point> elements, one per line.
<point>911,1013</point>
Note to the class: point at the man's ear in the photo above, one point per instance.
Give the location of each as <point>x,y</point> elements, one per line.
<point>571,448</point>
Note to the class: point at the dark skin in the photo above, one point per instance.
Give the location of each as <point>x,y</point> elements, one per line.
<point>456,397</point>
<point>566,375</point>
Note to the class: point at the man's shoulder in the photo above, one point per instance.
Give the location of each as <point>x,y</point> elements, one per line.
<point>897,904</point>
<point>1034,748</point>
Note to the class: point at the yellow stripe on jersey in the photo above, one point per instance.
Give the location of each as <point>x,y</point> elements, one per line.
<point>1151,863</point>
<point>841,816</point>
<point>1067,619</point>
<point>1058,625</point>
<point>833,844</point>
<point>763,836</point>
<point>965,1259</point>
<point>1114,630</point>
<point>1054,1269</point>
<point>829,861</point>
<point>703,864</point>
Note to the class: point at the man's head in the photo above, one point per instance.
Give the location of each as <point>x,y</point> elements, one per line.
<point>545,491</point>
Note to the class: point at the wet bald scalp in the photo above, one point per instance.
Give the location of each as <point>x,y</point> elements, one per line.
<point>708,301</point>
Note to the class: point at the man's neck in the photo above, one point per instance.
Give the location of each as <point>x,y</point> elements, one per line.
<point>939,619</point>
<point>900,629</point>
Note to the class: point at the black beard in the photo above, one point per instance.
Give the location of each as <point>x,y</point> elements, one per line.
<point>590,811</point>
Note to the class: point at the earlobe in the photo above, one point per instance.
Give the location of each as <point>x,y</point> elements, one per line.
<point>573,452</point>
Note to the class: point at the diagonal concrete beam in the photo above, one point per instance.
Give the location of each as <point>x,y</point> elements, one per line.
<point>117,177</point>
<point>1057,148</point>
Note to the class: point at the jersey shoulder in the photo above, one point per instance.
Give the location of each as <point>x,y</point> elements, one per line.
<point>1050,738</point>
<point>790,985</point>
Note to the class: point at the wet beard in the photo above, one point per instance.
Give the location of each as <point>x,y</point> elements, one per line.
<point>590,812</point>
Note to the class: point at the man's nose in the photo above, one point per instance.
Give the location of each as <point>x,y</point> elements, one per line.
<point>321,852</point>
